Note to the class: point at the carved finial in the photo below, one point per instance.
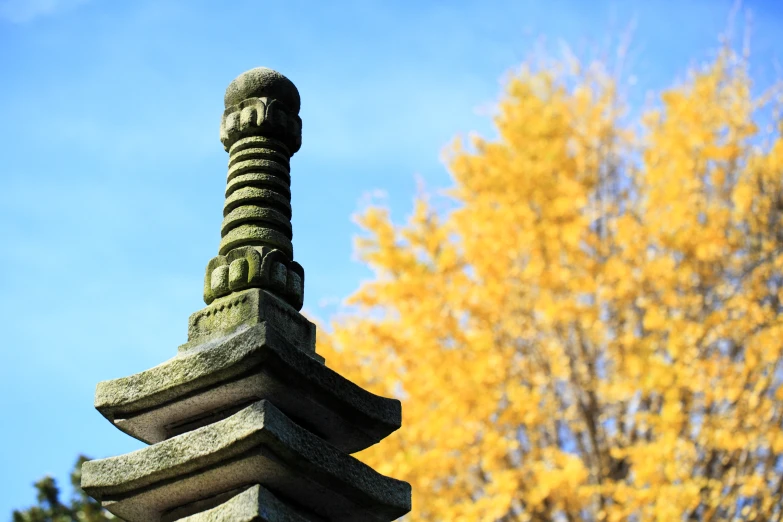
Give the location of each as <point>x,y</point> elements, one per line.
<point>259,83</point>
<point>262,102</point>
<point>260,130</point>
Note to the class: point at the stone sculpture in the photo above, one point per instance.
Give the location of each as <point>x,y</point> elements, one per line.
<point>246,423</point>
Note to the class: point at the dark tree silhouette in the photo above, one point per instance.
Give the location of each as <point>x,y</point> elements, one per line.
<point>50,508</point>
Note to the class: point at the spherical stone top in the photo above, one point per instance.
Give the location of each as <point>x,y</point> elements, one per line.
<point>260,82</point>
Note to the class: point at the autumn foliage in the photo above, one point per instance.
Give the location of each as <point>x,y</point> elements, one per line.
<point>592,330</point>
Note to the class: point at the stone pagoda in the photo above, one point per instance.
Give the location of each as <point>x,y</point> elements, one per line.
<point>246,423</point>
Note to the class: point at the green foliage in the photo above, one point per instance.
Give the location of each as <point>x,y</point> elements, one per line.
<point>50,508</point>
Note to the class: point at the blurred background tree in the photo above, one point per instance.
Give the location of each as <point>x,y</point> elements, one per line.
<point>590,329</point>
<point>51,509</point>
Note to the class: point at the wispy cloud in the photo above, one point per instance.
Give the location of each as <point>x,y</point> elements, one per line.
<point>21,11</point>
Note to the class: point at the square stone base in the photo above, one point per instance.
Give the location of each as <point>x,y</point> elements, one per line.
<point>246,309</point>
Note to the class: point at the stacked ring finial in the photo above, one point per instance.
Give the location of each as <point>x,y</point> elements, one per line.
<point>261,130</point>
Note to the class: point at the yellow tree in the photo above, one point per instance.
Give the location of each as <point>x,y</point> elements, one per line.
<point>593,331</point>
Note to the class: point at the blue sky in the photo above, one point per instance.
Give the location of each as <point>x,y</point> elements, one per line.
<point>112,174</point>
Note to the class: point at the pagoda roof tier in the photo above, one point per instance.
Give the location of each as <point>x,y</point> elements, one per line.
<point>256,445</point>
<point>203,385</point>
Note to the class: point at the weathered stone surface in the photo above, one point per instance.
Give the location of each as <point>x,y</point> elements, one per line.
<point>249,308</point>
<point>257,445</point>
<point>262,82</point>
<point>262,102</point>
<point>205,384</point>
<point>255,504</point>
<point>261,130</point>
